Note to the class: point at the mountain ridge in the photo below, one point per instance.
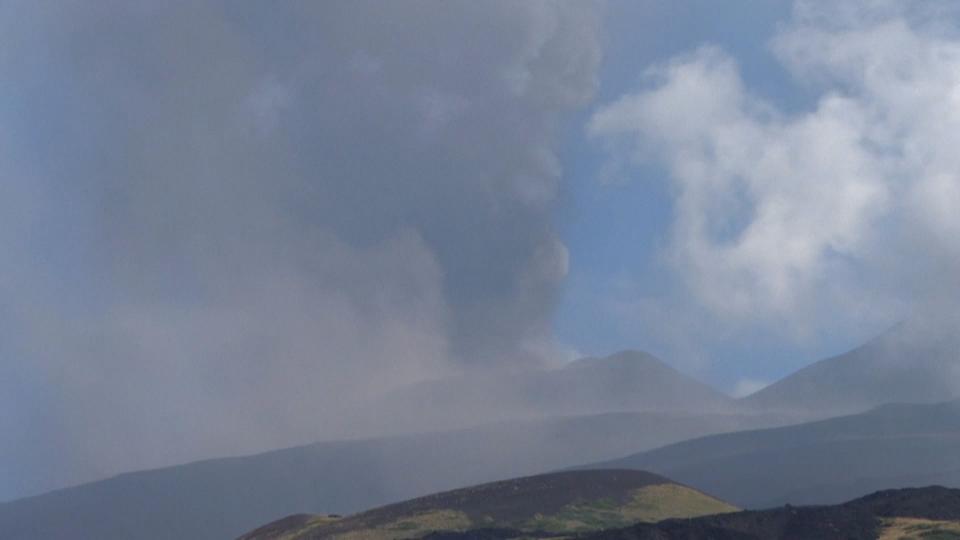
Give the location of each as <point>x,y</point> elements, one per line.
<point>824,461</point>
<point>926,513</point>
<point>627,381</point>
<point>912,362</point>
<point>339,477</point>
<point>558,503</point>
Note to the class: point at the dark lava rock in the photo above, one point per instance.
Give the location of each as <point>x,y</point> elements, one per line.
<point>934,502</point>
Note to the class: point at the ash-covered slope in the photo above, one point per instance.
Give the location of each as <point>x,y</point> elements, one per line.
<point>557,503</point>
<point>819,462</point>
<point>915,362</point>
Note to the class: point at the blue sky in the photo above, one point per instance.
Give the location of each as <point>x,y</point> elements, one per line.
<point>618,231</point>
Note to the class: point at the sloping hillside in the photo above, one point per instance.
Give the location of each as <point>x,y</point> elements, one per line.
<point>557,503</point>
<point>819,462</point>
<point>915,362</point>
<point>931,513</point>
<point>626,381</point>
<point>223,498</point>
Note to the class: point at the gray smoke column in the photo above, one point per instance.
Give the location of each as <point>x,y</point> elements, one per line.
<point>226,225</point>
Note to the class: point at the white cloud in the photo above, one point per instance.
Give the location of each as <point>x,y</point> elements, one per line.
<point>795,216</point>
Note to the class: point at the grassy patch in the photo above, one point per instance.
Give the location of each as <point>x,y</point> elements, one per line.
<point>919,529</point>
<point>412,527</point>
<point>649,504</point>
<point>312,525</point>
<point>656,503</point>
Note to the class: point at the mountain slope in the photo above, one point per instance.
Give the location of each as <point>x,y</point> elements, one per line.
<point>559,503</point>
<point>819,462</point>
<point>930,513</point>
<point>915,362</point>
<point>626,381</point>
<point>223,498</point>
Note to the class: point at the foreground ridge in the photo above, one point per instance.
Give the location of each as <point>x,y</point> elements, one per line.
<point>911,513</point>
<point>546,505</point>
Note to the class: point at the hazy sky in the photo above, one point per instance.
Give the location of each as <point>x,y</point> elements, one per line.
<point>225,225</point>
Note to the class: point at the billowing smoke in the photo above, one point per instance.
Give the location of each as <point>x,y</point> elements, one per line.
<point>806,221</point>
<point>225,226</point>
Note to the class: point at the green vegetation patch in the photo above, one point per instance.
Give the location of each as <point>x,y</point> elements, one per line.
<point>411,527</point>
<point>649,504</point>
<point>665,501</point>
<point>919,529</point>
<point>312,525</point>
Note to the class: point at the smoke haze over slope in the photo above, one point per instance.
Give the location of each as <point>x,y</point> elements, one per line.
<point>227,227</point>
<point>226,224</point>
